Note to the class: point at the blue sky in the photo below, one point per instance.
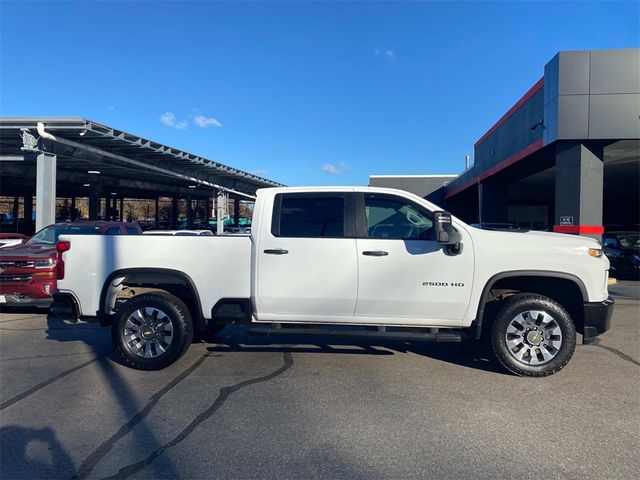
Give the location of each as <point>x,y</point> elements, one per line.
<point>303,93</point>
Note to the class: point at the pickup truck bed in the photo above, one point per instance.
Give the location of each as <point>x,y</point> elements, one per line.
<point>219,266</point>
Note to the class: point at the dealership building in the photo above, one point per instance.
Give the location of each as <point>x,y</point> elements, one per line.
<point>565,157</point>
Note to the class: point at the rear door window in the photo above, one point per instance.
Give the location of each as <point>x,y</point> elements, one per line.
<point>113,231</point>
<point>310,216</point>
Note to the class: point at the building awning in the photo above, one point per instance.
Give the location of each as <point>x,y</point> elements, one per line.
<point>128,165</point>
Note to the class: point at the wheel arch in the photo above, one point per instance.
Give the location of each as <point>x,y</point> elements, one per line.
<point>524,277</point>
<point>154,277</point>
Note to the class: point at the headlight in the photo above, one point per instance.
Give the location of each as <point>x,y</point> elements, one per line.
<point>595,252</point>
<point>48,263</point>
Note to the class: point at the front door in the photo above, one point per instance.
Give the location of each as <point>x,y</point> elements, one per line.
<point>307,264</point>
<point>404,276</point>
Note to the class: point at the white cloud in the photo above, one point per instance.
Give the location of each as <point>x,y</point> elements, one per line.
<point>204,122</point>
<point>386,53</point>
<point>261,172</point>
<point>168,119</point>
<point>332,169</point>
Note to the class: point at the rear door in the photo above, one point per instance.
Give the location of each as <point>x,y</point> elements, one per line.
<point>404,276</point>
<point>306,260</point>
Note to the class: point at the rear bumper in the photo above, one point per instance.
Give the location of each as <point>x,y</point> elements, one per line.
<point>597,319</point>
<point>65,306</point>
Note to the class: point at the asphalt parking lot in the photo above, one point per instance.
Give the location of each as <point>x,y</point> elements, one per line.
<point>303,407</point>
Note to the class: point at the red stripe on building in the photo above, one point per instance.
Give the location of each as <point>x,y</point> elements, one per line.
<point>507,162</point>
<point>525,98</point>
<point>579,229</point>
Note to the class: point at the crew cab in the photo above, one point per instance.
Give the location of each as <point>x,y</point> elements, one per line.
<point>344,256</point>
<point>28,270</point>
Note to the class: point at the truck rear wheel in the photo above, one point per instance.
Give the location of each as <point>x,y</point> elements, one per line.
<point>533,336</point>
<point>152,330</point>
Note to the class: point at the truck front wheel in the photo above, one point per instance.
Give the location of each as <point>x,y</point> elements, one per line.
<point>533,335</point>
<point>152,330</point>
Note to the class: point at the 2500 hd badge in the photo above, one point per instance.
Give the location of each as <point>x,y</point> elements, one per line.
<point>442,284</point>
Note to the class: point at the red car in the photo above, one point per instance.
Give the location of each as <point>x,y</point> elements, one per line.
<point>28,271</point>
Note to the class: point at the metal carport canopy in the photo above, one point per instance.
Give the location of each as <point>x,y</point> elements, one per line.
<point>127,163</point>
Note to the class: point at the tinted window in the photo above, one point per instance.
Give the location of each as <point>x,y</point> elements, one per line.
<point>394,218</point>
<point>49,235</point>
<point>113,231</point>
<point>321,216</point>
<point>132,231</point>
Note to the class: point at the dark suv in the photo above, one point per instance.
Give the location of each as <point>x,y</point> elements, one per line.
<point>623,251</point>
<point>28,271</point>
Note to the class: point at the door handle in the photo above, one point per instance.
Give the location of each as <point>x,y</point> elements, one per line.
<point>276,251</point>
<point>375,253</point>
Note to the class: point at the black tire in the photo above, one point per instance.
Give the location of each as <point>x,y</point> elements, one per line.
<point>176,312</point>
<point>516,305</point>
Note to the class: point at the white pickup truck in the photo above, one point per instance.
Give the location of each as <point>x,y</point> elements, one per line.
<point>343,256</point>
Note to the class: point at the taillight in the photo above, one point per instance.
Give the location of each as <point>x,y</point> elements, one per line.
<point>61,247</point>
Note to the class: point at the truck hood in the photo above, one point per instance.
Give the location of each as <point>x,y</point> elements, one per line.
<point>563,238</point>
<point>540,240</point>
<point>24,252</point>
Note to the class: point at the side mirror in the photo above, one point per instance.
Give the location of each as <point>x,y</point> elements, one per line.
<point>443,231</point>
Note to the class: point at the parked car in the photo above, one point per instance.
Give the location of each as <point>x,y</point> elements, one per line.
<point>237,230</point>
<point>28,271</point>
<point>11,239</point>
<point>623,251</point>
<point>181,233</point>
<point>361,256</point>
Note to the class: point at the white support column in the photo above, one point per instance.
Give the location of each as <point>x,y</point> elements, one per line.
<point>221,211</point>
<point>45,190</point>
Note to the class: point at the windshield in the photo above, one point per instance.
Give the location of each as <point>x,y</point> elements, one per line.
<point>49,235</point>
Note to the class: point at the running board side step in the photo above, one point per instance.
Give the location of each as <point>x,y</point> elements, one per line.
<point>453,336</point>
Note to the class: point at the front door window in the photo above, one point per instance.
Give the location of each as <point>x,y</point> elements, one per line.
<point>395,219</point>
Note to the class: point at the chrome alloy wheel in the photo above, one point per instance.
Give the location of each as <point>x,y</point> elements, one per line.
<point>533,337</point>
<point>148,332</point>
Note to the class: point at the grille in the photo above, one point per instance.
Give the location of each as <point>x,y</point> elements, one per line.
<point>17,264</point>
<point>14,277</point>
